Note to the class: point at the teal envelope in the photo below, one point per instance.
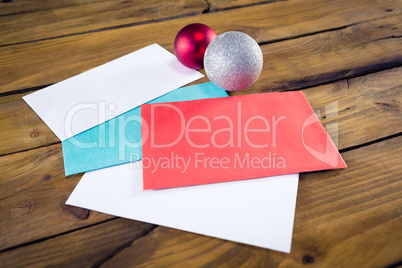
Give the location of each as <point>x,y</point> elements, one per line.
<point>118,140</point>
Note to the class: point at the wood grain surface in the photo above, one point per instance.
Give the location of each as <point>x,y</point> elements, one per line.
<point>365,110</point>
<point>357,208</point>
<point>68,20</point>
<point>104,241</point>
<point>23,6</point>
<point>344,55</point>
<point>54,60</point>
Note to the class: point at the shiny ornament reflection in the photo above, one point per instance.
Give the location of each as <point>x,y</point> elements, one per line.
<point>190,44</point>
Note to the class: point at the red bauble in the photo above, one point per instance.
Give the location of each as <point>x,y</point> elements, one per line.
<point>190,44</point>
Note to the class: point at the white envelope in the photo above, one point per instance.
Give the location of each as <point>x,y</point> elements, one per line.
<point>93,97</point>
<point>257,212</point>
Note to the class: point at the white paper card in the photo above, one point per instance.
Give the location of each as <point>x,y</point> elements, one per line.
<point>257,212</point>
<point>93,97</point>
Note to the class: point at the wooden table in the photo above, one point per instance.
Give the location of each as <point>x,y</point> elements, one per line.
<point>342,52</point>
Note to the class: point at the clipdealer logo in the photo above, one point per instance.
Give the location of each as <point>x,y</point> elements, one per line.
<point>115,135</point>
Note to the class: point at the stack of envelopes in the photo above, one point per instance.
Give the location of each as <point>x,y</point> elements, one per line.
<point>190,158</point>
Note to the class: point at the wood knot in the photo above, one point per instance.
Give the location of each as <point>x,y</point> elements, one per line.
<point>389,10</point>
<point>388,106</point>
<point>23,208</point>
<point>46,178</point>
<point>307,259</point>
<point>79,213</point>
<point>35,134</point>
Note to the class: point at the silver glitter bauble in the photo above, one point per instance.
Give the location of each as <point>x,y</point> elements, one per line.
<point>233,61</point>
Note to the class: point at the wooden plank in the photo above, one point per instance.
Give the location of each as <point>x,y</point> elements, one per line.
<point>329,56</point>
<point>8,7</point>
<point>71,249</point>
<point>361,109</point>
<point>51,61</point>
<point>86,248</point>
<point>90,17</point>
<point>24,6</point>
<point>31,177</point>
<point>33,194</point>
<point>22,128</point>
<point>225,4</point>
<point>332,214</point>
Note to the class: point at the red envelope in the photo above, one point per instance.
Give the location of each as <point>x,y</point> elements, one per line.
<point>233,138</point>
